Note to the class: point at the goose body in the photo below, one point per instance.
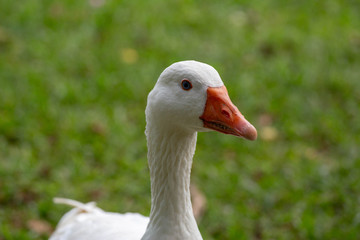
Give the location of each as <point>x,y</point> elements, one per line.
<point>86,221</point>
<point>189,97</point>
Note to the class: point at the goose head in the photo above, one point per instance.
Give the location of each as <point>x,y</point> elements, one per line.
<point>190,96</point>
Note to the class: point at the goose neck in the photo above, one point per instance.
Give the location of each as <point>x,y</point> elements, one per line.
<point>170,155</point>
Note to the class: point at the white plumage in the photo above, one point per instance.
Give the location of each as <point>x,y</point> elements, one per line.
<point>189,97</point>
<point>85,221</point>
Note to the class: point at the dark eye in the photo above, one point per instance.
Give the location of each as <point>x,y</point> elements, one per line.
<point>186,85</point>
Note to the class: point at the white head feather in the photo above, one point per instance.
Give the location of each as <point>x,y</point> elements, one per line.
<point>169,105</point>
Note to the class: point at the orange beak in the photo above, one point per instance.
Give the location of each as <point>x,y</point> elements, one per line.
<point>221,115</point>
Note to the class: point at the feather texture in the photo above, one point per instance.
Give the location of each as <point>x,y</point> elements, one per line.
<point>86,221</point>
<point>173,120</point>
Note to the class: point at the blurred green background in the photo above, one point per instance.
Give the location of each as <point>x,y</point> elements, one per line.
<point>74,77</point>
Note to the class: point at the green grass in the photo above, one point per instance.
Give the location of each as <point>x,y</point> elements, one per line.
<point>73,85</point>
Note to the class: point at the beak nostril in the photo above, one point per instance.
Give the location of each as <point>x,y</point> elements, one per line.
<point>225,113</point>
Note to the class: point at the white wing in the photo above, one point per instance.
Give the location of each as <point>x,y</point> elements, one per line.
<point>88,222</point>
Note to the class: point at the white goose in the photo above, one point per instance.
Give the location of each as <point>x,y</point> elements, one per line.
<point>189,97</point>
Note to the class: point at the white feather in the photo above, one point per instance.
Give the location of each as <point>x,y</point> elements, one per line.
<point>86,221</point>
<point>172,116</point>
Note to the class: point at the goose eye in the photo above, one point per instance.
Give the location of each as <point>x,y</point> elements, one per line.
<point>186,85</point>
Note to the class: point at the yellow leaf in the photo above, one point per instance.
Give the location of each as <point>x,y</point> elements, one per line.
<point>269,133</point>
<point>129,55</point>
